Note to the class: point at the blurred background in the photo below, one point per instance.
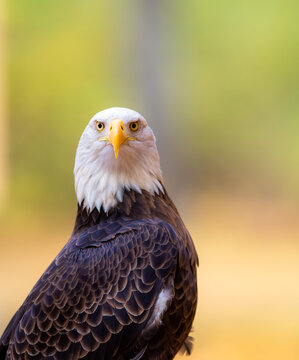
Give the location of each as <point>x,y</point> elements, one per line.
<point>218,81</point>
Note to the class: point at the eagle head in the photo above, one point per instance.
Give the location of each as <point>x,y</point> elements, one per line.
<point>117,152</point>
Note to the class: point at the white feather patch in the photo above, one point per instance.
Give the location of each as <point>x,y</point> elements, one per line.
<point>161,306</point>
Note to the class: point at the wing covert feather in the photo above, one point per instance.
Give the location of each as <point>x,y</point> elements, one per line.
<point>98,294</point>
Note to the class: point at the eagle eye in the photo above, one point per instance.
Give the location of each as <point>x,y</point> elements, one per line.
<point>100,126</point>
<point>134,126</point>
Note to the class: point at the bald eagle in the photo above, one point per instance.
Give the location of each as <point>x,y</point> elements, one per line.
<point>124,285</point>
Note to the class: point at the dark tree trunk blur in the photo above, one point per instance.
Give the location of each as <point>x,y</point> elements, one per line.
<point>152,44</point>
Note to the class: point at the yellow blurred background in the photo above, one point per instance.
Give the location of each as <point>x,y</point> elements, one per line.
<point>218,81</point>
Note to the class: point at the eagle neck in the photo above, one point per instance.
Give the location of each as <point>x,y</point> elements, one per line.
<point>135,205</point>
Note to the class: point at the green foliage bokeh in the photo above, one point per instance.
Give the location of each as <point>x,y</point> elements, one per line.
<point>230,83</point>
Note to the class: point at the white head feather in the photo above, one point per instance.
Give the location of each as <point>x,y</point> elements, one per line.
<point>100,178</point>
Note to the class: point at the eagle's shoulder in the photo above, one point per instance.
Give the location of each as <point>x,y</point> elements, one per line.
<point>100,233</point>
<point>122,233</point>
<point>101,290</point>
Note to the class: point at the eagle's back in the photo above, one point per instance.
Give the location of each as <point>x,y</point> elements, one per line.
<point>123,287</point>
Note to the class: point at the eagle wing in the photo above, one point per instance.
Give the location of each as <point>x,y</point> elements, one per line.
<point>98,299</point>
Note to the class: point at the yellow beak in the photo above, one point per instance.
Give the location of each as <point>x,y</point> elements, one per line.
<point>117,135</point>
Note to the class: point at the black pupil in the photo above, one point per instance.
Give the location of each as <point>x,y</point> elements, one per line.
<point>134,126</point>
<point>100,126</point>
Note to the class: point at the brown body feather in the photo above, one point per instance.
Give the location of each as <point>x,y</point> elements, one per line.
<point>97,299</point>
